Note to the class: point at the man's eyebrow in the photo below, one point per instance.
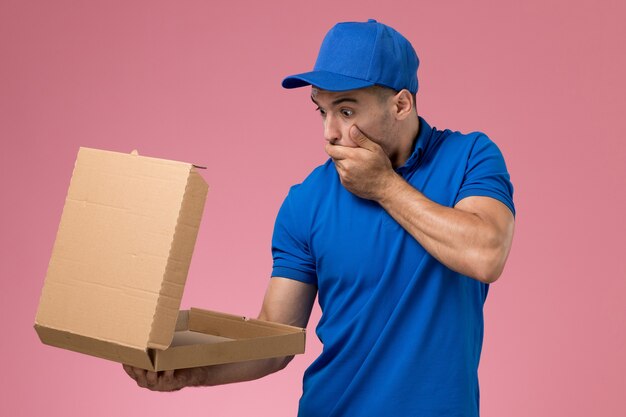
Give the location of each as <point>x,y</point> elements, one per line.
<point>338,101</point>
<point>343,100</point>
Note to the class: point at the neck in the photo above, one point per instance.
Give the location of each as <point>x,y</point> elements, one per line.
<point>408,137</point>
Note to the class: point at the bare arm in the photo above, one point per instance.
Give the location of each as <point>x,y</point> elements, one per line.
<point>473,238</point>
<point>286,301</point>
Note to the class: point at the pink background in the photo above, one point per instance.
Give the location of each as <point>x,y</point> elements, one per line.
<point>199,81</point>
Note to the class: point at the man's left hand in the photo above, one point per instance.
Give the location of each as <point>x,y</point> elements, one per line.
<point>365,170</point>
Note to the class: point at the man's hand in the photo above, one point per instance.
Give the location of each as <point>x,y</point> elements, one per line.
<point>173,380</point>
<point>365,170</point>
<point>286,301</point>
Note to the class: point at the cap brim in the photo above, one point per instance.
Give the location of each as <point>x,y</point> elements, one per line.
<point>326,81</point>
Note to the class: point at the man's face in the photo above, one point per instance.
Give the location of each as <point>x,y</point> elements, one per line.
<point>365,108</point>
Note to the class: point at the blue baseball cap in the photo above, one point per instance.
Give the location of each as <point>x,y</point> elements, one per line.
<point>356,55</point>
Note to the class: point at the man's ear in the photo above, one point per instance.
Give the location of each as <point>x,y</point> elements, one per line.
<point>403,104</point>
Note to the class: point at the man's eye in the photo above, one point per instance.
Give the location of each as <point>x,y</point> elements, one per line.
<point>347,112</point>
<point>322,111</point>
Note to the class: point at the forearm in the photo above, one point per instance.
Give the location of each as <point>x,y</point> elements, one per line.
<point>231,372</point>
<point>178,379</point>
<point>461,240</point>
<point>286,301</point>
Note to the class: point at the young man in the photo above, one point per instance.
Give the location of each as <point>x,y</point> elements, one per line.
<point>400,234</point>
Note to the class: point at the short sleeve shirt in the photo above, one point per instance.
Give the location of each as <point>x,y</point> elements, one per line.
<point>402,333</point>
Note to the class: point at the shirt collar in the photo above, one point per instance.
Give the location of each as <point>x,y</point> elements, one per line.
<point>421,142</point>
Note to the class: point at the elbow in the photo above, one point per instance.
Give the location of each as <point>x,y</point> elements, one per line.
<point>491,259</point>
<point>488,256</point>
<point>488,276</point>
<point>490,266</point>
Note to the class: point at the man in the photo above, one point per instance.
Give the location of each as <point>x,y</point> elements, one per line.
<point>399,234</point>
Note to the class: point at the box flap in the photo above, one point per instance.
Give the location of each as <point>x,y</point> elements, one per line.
<point>123,249</point>
<point>99,348</point>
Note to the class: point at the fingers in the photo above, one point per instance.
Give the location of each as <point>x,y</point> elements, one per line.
<point>168,377</point>
<point>140,377</point>
<point>152,379</point>
<point>339,152</point>
<point>360,139</point>
<point>129,371</point>
<point>336,152</point>
<point>155,381</point>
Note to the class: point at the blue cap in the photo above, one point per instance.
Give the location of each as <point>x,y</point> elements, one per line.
<point>357,55</point>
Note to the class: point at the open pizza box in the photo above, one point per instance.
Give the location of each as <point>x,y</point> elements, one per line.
<point>119,265</point>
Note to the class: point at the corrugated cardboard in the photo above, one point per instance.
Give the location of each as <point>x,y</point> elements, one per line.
<point>119,265</point>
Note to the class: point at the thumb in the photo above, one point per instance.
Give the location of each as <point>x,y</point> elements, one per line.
<point>360,139</point>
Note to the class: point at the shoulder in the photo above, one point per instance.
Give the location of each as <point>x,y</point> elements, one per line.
<point>485,170</point>
<point>462,140</point>
<point>455,146</point>
<point>292,229</point>
<point>316,184</point>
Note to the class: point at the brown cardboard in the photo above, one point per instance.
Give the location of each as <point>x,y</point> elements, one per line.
<point>119,265</point>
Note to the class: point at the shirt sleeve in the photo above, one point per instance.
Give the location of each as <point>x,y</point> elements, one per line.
<point>486,174</point>
<point>290,245</point>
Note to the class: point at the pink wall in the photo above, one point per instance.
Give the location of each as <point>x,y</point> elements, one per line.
<point>199,81</point>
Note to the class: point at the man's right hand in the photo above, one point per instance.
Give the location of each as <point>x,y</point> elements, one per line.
<point>164,381</point>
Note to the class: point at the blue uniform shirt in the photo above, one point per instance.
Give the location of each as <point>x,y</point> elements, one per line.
<point>402,333</point>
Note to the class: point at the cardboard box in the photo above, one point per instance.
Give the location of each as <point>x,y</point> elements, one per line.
<point>119,265</point>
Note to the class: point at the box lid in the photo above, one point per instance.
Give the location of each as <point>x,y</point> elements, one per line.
<point>123,249</point>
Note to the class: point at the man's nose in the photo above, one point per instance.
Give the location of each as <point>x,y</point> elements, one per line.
<point>332,133</point>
